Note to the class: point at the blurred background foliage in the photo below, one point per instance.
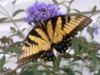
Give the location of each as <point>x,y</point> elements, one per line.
<point>85,53</point>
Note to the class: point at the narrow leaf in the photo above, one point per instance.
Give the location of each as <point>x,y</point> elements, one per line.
<point>37,72</point>
<point>14,49</point>
<point>20,34</point>
<point>31,70</point>
<point>17,12</point>
<point>94,10</point>
<point>56,63</point>
<point>94,57</point>
<point>98,72</point>
<point>27,72</point>
<point>90,31</point>
<point>69,71</point>
<point>2,62</point>
<point>2,19</point>
<point>75,45</point>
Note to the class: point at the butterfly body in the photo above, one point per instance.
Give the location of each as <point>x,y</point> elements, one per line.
<point>56,32</point>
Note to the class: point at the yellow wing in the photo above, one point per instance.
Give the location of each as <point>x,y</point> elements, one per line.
<point>57,33</point>
<point>36,43</point>
<point>71,25</point>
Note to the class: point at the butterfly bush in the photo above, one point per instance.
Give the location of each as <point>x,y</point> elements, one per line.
<point>41,11</point>
<point>96,28</point>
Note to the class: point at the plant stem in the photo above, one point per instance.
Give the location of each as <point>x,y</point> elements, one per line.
<point>9,16</point>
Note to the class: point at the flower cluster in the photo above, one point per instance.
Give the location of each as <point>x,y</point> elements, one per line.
<point>96,28</point>
<point>41,11</point>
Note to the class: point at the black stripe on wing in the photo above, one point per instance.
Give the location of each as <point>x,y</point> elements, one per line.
<point>66,41</point>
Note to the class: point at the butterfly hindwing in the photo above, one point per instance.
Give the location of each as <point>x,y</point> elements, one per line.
<point>48,55</point>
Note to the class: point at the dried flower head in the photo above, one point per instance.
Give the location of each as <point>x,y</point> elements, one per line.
<point>41,11</point>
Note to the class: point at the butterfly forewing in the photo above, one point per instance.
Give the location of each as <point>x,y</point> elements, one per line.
<point>70,28</point>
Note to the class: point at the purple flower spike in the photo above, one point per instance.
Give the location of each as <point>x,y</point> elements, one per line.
<point>96,28</point>
<point>41,11</point>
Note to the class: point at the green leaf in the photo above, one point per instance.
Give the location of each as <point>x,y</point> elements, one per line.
<point>31,70</point>
<point>13,49</point>
<point>37,72</point>
<point>56,63</point>
<point>20,34</point>
<point>94,10</point>
<point>27,72</point>
<point>46,72</point>
<point>2,19</point>
<point>34,68</point>
<point>23,29</point>
<point>83,45</point>
<point>17,12</point>
<point>90,31</point>
<point>69,71</point>
<point>98,72</point>
<point>35,65</point>
<point>93,57</point>
<point>75,45</point>
<point>2,62</point>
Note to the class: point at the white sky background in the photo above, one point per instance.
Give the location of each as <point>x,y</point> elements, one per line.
<point>82,5</point>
